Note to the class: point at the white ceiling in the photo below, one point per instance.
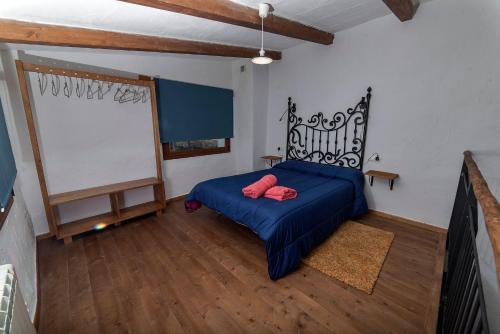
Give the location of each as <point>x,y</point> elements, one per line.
<point>329,15</point>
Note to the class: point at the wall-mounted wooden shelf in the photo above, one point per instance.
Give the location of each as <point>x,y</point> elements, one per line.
<point>273,159</point>
<point>383,175</point>
<point>117,215</point>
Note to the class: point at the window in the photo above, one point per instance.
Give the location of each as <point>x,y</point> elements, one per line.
<point>189,115</point>
<point>7,169</point>
<point>5,212</point>
<point>193,148</point>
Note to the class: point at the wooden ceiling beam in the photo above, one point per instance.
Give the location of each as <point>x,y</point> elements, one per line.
<point>403,9</point>
<point>12,31</point>
<point>233,13</point>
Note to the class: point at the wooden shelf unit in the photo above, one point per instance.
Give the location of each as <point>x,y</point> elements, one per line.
<point>116,216</point>
<point>383,175</point>
<point>273,159</point>
<point>114,191</point>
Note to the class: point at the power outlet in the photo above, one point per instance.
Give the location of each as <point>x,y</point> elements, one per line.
<point>374,157</point>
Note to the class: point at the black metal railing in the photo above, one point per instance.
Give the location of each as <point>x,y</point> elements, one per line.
<point>462,308</point>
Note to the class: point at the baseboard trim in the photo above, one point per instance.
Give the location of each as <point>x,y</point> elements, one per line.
<point>407,221</point>
<point>175,199</point>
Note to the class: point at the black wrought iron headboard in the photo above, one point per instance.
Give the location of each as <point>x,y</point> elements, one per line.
<point>339,142</point>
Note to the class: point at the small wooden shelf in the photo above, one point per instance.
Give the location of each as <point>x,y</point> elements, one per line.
<point>383,175</point>
<point>117,215</point>
<point>273,159</point>
<point>77,195</point>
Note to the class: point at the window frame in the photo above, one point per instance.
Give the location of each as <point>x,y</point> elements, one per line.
<point>171,155</point>
<point>3,215</point>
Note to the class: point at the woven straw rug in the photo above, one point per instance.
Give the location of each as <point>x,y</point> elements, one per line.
<point>354,254</point>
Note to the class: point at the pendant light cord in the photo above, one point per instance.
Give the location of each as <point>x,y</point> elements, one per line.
<point>261,58</point>
<point>262,34</point>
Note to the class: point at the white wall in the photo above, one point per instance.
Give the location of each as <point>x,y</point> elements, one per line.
<point>251,101</point>
<point>18,247</point>
<point>435,94</point>
<point>181,174</point>
<point>243,116</point>
<point>17,238</point>
<point>261,101</point>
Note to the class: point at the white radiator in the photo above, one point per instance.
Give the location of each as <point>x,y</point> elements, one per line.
<point>14,318</point>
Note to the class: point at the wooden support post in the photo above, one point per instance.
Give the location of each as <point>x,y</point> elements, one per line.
<point>159,192</point>
<point>231,12</point>
<point>403,9</point>
<point>23,86</point>
<point>159,189</point>
<point>115,206</point>
<point>22,32</point>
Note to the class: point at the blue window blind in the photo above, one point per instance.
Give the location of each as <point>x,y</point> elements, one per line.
<point>193,112</point>
<point>7,165</point>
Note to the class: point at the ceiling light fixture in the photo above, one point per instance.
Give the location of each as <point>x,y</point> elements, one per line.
<point>262,59</point>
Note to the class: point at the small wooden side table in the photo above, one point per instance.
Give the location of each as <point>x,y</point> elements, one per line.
<point>383,175</point>
<point>273,159</point>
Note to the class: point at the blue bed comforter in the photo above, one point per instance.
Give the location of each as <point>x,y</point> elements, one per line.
<point>327,196</point>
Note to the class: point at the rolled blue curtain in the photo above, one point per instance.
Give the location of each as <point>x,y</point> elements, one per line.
<point>193,112</point>
<point>7,164</point>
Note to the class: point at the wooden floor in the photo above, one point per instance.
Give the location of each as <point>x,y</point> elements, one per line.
<point>201,273</point>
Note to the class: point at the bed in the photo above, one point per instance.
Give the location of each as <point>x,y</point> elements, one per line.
<point>328,179</point>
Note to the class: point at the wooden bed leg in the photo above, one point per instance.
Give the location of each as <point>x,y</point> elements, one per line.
<point>68,240</point>
<point>158,213</point>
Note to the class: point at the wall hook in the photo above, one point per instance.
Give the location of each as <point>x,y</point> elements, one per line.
<point>68,88</point>
<point>100,95</point>
<point>90,93</point>
<point>56,85</point>
<point>42,83</point>
<point>80,87</point>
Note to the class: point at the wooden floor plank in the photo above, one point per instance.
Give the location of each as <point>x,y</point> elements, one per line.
<point>132,300</point>
<point>233,295</point>
<point>198,297</point>
<point>212,314</point>
<point>287,313</point>
<point>294,306</point>
<point>81,302</point>
<point>215,317</point>
<point>202,273</point>
<point>55,302</point>
<point>247,254</point>
<point>111,313</point>
<point>155,275</point>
